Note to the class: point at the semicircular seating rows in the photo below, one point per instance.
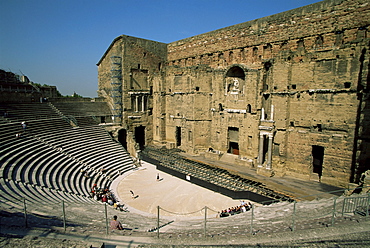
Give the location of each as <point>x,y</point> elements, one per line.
<point>49,162</point>
<point>44,167</point>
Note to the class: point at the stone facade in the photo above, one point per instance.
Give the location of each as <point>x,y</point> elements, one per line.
<point>125,76</point>
<point>287,94</point>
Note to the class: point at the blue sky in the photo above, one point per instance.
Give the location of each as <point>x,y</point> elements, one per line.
<point>59,42</point>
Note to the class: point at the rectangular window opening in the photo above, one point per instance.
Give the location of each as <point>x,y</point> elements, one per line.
<point>233,136</point>
<point>178,136</point>
<point>319,127</point>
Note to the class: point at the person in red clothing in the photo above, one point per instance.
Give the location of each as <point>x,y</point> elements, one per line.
<point>94,189</point>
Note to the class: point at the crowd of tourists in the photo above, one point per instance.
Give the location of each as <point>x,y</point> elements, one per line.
<point>242,208</point>
<point>106,196</point>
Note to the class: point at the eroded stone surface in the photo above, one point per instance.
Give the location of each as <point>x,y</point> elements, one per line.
<point>286,94</point>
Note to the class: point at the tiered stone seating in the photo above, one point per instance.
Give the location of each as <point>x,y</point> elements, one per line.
<point>45,164</point>
<point>86,154</point>
<point>86,121</point>
<point>35,168</point>
<point>3,120</point>
<point>27,111</point>
<point>82,108</point>
<point>20,161</point>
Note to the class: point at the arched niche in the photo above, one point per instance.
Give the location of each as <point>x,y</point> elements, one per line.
<point>235,80</point>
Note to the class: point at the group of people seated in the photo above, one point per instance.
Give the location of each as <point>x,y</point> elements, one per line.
<point>242,208</point>
<point>106,196</point>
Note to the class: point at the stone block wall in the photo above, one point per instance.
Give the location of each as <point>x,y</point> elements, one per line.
<point>287,93</point>
<point>124,74</point>
<point>328,19</point>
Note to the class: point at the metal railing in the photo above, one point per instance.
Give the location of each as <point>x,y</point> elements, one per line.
<point>283,216</point>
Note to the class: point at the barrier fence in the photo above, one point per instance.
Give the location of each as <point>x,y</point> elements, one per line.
<point>287,216</point>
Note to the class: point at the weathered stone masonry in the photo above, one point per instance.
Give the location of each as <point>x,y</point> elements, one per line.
<point>287,94</point>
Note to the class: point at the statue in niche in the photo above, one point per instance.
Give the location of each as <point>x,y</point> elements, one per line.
<point>234,86</point>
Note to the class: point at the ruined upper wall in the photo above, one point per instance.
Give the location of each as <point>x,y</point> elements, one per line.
<point>157,48</point>
<point>321,18</point>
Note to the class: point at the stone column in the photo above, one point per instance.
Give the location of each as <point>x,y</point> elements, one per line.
<point>260,151</point>
<point>142,103</point>
<point>136,103</point>
<point>272,113</point>
<point>269,152</point>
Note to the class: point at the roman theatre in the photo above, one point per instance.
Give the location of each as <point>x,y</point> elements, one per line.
<point>270,110</point>
<point>284,95</point>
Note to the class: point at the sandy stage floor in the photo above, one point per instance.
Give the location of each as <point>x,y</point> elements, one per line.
<point>172,194</point>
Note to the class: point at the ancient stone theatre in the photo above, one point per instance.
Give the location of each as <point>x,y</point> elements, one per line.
<point>286,94</point>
